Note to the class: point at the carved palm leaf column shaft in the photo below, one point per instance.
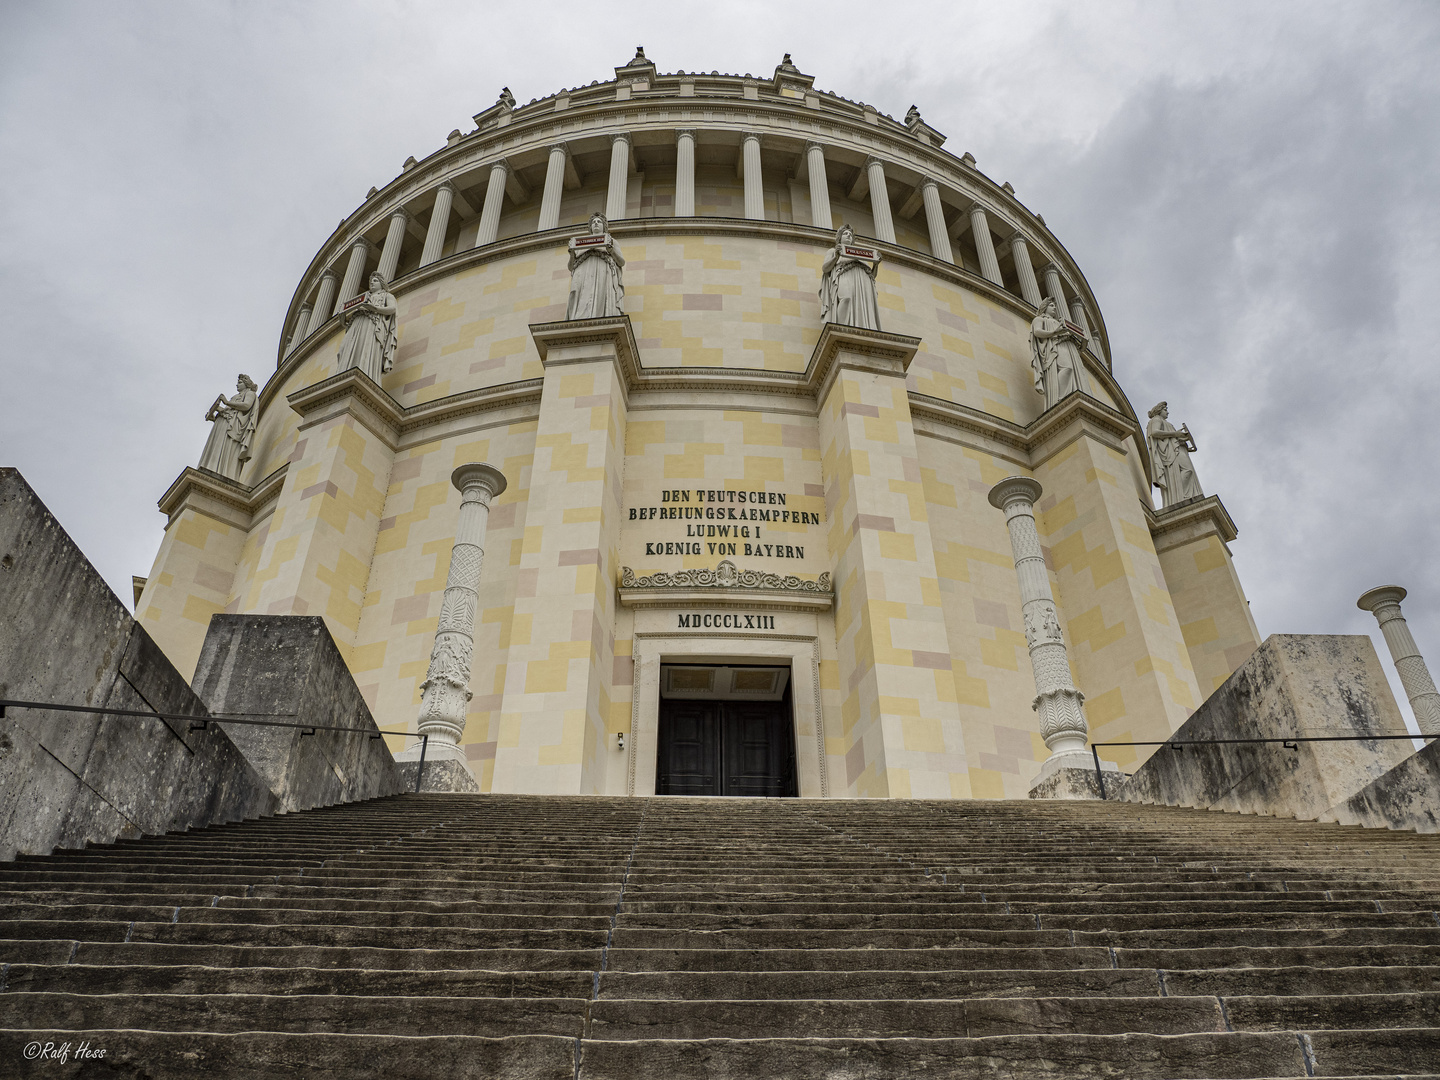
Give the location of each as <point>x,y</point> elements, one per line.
<point>447,683</point>
<point>1058,703</point>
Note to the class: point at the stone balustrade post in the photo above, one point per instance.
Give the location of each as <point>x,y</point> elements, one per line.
<point>685,174</point>
<point>302,327</point>
<point>1058,703</point>
<point>554,188</point>
<point>439,223</point>
<point>1384,604</point>
<point>618,196</point>
<point>935,219</point>
<point>880,201</point>
<point>494,201</point>
<point>354,273</point>
<point>446,688</point>
<point>1025,269</point>
<point>324,301</point>
<point>394,237</point>
<point>984,244</point>
<point>820,215</point>
<point>754,188</point>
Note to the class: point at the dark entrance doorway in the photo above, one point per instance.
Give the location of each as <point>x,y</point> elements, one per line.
<point>713,741</point>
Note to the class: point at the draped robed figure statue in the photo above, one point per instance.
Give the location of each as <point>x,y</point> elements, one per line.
<point>847,283</point>
<point>232,430</point>
<point>369,342</point>
<point>1170,451</point>
<point>1055,355</point>
<point>597,283</point>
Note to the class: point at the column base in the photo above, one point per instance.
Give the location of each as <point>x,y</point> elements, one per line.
<point>1072,776</point>
<point>444,775</point>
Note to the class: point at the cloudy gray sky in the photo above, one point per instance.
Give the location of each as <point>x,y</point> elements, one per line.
<point>1253,190</point>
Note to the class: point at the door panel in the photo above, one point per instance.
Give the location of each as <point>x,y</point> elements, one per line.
<point>726,748</point>
<point>689,762</point>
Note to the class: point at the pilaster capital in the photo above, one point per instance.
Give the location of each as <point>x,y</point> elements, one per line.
<point>330,273</point>
<point>502,164</point>
<point>366,244</point>
<point>1053,268</point>
<point>445,185</point>
<point>478,481</point>
<point>813,145</point>
<point>403,214</point>
<point>685,133</point>
<point>1382,597</point>
<point>306,308</point>
<point>928,182</point>
<point>564,148</point>
<point>1013,490</point>
<point>1018,237</point>
<point>874,162</point>
<point>746,136</point>
<point>978,208</point>
<point>622,137</point>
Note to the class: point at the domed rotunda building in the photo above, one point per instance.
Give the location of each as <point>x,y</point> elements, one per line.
<point>732,467</point>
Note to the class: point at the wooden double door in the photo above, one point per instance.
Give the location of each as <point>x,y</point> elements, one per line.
<point>726,748</point>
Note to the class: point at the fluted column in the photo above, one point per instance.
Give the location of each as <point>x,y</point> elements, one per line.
<point>880,201</point>
<point>685,174</point>
<point>935,219</point>
<point>302,327</point>
<point>494,200</point>
<point>447,683</point>
<point>554,188</point>
<point>1059,704</point>
<point>353,273</point>
<point>1384,604</point>
<point>617,198</point>
<point>394,237</point>
<point>439,223</point>
<point>754,188</point>
<point>820,215</point>
<point>1054,289</point>
<point>1025,269</point>
<point>984,245</point>
<point>324,302</point>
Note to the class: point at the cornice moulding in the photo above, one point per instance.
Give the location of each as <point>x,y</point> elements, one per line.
<point>219,497</point>
<point>1184,523</point>
<point>726,586</point>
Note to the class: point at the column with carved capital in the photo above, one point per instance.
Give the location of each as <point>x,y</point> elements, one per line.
<point>554,188</point>
<point>324,302</point>
<point>618,196</point>
<point>750,166</point>
<point>354,273</point>
<point>447,683</point>
<point>302,327</point>
<point>820,215</point>
<point>439,223</point>
<point>935,219</point>
<point>1054,289</point>
<point>1025,269</point>
<point>394,237</point>
<point>880,201</point>
<point>984,245</point>
<point>1058,703</point>
<point>1384,604</point>
<point>494,199</point>
<point>685,174</point>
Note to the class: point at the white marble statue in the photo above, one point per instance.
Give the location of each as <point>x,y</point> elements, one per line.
<point>1170,458</point>
<point>232,430</point>
<point>597,282</point>
<point>1055,355</point>
<point>369,342</point>
<point>847,284</point>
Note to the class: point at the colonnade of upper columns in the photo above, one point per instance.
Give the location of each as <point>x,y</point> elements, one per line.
<point>872,181</point>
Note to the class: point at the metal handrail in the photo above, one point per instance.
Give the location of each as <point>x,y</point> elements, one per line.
<point>226,718</point>
<point>1290,742</point>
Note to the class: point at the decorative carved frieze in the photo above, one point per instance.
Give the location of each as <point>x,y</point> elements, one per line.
<point>725,576</point>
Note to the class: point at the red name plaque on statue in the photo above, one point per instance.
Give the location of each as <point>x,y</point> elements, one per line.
<point>354,302</point>
<point>599,240</point>
<point>853,252</point>
<point>1078,331</point>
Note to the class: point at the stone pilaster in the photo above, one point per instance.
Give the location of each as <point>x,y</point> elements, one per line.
<point>820,215</point>
<point>685,174</point>
<point>1058,703</point>
<point>439,223</point>
<point>618,194</point>
<point>984,244</point>
<point>750,167</point>
<point>880,201</point>
<point>935,220</point>
<point>899,731</point>
<point>1025,269</point>
<point>561,661</point>
<point>1384,604</point>
<point>489,226</point>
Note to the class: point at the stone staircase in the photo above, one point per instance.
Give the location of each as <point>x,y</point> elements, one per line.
<point>613,939</point>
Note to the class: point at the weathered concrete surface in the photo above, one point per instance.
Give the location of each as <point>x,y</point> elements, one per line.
<point>1292,685</point>
<point>67,779</point>
<point>287,668</point>
<point>1075,783</point>
<point>1406,797</point>
<point>443,775</point>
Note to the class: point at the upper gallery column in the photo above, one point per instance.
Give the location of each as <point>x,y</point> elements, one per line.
<point>394,237</point>
<point>554,188</point>
<point>750,166</point>
<point>617,199</point>
<point>685,174</point>
<point>1054,289</point>
<point>1024,269</point>
<point>1079,318</point>
<point>494,199</point>
<point>302,327</point>
<point>935,219</point>
<point>1384,604</point>
<point>819,187</point>
<point>359,251</point>
<point>324,301</point>
<point>880,201</point>
<point>984,245</point>
<point>439,223</point>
